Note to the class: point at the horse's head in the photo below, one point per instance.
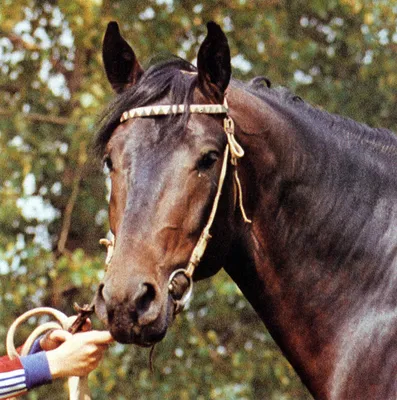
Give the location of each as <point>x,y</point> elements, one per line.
<point>164,172</point>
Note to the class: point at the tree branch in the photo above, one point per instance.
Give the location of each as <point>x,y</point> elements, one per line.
<point>10,88</point>
<point>35,117</point>
<point>67,218</point>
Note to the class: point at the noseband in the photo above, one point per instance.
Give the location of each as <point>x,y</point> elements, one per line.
<point>236,152</point>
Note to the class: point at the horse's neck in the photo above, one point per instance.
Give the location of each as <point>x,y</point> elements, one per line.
<point>320,316</point>
<point>279,305</point>
<point>324,335</point>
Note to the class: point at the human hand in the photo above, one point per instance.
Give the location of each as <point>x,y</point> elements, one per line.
<point>55,337</point>
<point>79,354</point>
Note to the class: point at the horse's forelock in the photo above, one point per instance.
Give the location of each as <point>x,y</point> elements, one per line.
<point>160,80</point>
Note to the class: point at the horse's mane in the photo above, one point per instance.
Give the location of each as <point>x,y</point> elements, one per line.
<point>378,139</point>
<point>349,182</point>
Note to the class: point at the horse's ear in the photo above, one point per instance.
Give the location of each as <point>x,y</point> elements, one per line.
<point>121,65</point>
<point>213,63</point>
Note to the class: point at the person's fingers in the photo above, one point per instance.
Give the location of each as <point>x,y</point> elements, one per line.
<point>87,326</point>
<point>53,339</point>
<point>79,354</point>
<point>98,337</point>
<point>45,339</point>
<point>59,335</point>
<point>99,351</point>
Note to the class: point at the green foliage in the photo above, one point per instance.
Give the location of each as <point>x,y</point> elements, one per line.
<point>338,54</point>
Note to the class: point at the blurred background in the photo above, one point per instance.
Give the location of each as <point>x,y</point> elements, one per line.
<point>340,55</point>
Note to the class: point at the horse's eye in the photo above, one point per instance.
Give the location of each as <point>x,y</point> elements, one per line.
<point>107,162</point>
<point>207,160</point>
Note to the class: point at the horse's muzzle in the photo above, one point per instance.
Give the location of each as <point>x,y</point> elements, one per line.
<point>141,320</point>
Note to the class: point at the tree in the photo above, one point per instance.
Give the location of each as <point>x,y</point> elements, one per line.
<point>339,55</point>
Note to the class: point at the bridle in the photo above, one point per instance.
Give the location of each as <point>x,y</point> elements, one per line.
<point>236,152</point>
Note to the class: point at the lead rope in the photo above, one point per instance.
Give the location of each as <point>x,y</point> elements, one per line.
<point>236,152</point>
<point>78,386</point>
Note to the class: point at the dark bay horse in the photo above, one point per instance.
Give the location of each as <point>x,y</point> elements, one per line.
<point>318,262</point>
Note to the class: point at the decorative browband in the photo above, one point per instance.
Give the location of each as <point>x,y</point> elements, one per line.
<point>151,111</point>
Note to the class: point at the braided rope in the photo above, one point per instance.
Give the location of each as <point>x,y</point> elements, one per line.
<point>152,111</point>
<point>78,386</point>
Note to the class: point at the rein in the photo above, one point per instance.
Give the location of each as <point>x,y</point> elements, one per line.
<point>236,152</point>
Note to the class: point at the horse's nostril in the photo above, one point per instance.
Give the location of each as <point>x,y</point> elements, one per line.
<point>144,298</point>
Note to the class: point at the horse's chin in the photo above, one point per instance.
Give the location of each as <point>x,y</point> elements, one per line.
<point>144,337</point>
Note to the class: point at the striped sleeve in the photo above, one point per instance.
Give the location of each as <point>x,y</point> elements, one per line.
<point>24,373</point>
<point>12,378</point>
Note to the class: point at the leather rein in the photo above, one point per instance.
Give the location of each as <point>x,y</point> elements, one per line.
<point>236,152</point>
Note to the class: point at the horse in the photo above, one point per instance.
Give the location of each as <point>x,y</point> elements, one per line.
<point>296,204</point>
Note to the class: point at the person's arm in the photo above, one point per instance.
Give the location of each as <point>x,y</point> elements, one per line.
<point>12,378</point>
<point>21,374</point>
<point>77,355</point>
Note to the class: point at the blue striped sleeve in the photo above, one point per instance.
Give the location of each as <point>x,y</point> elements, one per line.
<point>37,370</point>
